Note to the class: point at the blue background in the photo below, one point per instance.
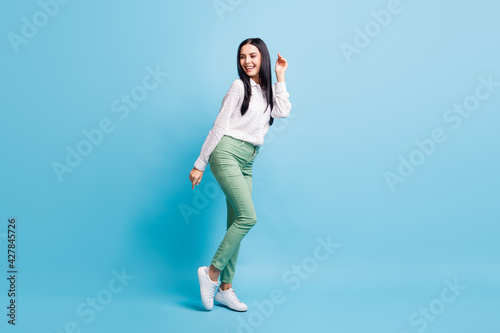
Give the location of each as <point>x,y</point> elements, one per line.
<point>321,172</point>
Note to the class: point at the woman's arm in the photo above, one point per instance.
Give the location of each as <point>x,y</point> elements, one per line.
<point>282,105</point>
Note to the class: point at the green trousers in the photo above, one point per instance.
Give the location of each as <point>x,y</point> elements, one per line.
<point>231,164</point>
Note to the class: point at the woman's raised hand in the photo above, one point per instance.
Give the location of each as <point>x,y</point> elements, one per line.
<point>281,65</point>
<point>195,176</point>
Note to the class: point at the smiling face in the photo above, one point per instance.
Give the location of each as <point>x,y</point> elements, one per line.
<point>250,61</point>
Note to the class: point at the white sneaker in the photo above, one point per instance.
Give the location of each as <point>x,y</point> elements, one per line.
<point>228,298</point>
<point>207,287</point>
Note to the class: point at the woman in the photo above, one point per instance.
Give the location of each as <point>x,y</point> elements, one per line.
<point>247,111</point>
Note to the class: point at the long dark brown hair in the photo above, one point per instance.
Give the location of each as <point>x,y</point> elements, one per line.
<point>264,75</point>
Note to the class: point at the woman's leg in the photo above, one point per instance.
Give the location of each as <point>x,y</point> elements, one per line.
<point>227,274</point>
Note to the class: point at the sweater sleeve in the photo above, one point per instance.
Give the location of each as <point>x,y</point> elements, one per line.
<point>230,103</point>
<point>282,105</point>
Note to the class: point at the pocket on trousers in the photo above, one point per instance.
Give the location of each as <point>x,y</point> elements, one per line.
<point>231,147</point>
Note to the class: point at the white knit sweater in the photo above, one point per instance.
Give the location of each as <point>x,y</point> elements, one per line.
<point>253,126</point>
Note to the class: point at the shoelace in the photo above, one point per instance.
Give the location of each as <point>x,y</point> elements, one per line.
<point>212,291</point>
<point>231,290</point>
